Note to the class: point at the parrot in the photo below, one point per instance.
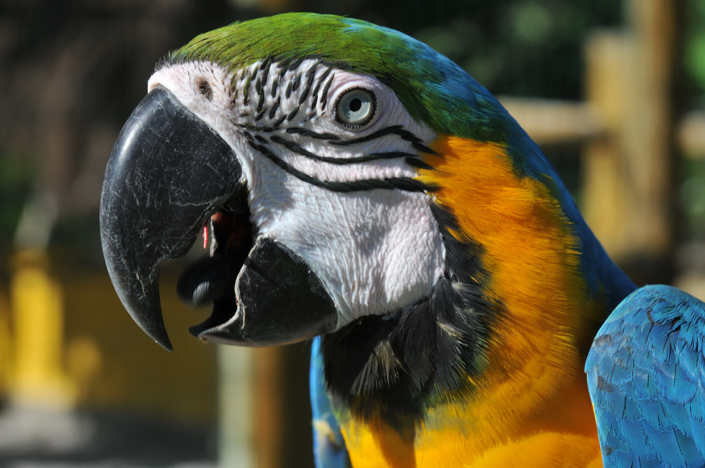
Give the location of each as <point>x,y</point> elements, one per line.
<point>362,191</point>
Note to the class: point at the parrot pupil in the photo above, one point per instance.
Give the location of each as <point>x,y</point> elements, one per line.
<point>355,105</point>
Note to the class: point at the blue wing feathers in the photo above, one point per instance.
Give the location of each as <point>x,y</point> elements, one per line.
<point>328,444</point>
<point>646,375</point>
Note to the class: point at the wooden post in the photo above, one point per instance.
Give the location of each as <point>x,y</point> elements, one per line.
<point>265,420</point>
<point>270,388</point>
<point>605,193</point>
<point>649,130</point>
<point>236,413</point>
<point>629,175</point>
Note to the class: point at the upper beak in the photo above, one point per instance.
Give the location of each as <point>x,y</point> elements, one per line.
<point>168,172</point>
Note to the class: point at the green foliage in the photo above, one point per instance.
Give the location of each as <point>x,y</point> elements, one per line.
<point>16,179</point>
<point>691,193</point>
<point>694,56</point>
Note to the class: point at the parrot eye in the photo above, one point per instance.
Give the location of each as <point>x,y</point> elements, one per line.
<point>355,108</point>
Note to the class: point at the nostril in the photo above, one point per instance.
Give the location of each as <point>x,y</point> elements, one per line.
<point>204,87</point>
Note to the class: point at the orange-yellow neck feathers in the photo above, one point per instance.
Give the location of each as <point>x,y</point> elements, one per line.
<point>532,398</point>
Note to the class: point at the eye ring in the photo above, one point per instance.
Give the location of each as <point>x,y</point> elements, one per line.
<point>356,108</point>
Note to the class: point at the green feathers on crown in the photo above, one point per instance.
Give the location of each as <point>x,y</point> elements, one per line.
<point>432,88</point>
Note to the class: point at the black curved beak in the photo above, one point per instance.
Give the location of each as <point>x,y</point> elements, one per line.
<point>168,173</point>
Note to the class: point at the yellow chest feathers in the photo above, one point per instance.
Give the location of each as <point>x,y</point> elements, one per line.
<point>530,407</point>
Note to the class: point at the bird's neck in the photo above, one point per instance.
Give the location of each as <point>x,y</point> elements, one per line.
<point>552,278</point>
<point>552,285</point>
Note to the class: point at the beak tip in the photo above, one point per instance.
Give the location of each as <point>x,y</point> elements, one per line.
<point>166,345</point>
<point>157,332</point>
<point>142,302</point>
<point>162,340</point>
<point>146,311</point>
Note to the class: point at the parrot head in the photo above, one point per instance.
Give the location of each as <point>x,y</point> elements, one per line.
<point>298,138</point>
<point>318,151</point>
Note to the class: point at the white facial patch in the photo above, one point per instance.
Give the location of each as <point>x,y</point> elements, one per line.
<point>342,196</point>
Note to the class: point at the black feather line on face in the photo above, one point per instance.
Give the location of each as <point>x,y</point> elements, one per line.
<point>246,90</point>
<point>260,103</point>
<point>275,85</point>
<point>312,134</point>
<point>324,98</point>
<point>273,111</point>
<point>284,66</point>
<point>298,149</point>
<point>310,76</point>
<point>396,366</point>
<point>265,66</point>
<point>320,83</point>
<point>279,121</point>
<point>296,63</point>
<point>297,82</point>
<point>391,183</point>
<point>293,113</point>
<point>417,163</point>
<point>397,130</point>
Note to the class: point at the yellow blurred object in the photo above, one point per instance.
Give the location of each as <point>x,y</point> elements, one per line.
<point>83,360</point>
<point>67,341</point>
<point>5,343</point>
<point>37,313</point>
<point>115,366</point>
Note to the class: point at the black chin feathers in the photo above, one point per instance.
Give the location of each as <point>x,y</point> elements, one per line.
<point>395,366</point>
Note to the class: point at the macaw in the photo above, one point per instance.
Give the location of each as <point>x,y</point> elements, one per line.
<point>362,190</point>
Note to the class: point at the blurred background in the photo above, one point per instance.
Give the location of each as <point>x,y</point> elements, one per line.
<point>614,91</point>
